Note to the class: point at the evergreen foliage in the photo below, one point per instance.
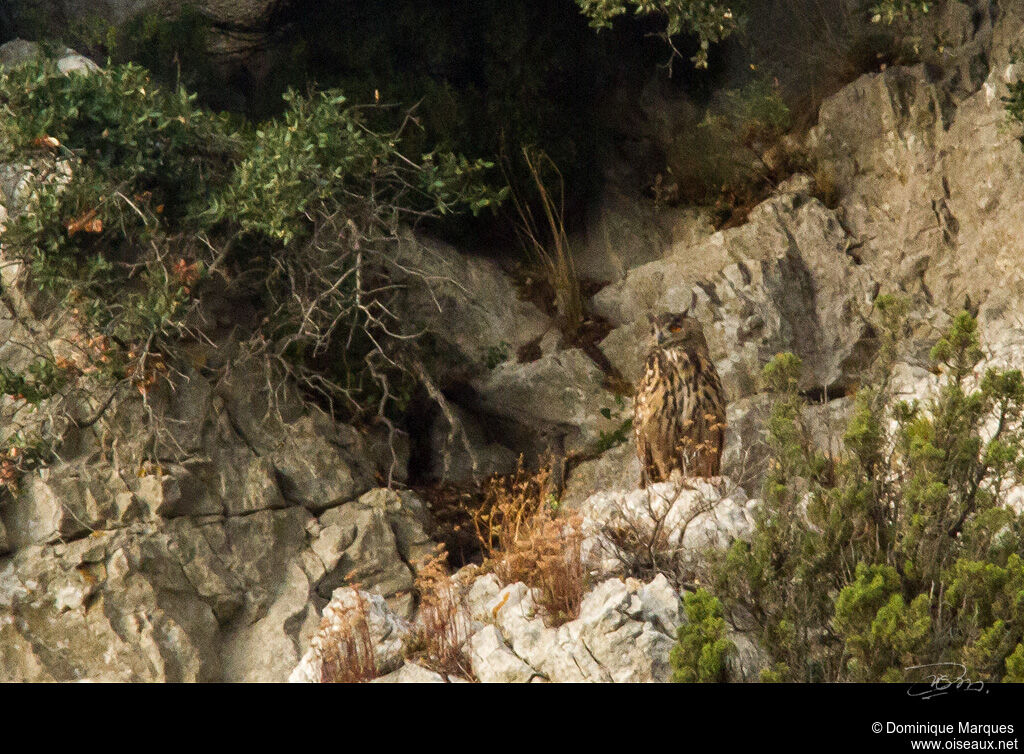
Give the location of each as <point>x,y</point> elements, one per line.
<point>702,649</point>
<point>900,550</point>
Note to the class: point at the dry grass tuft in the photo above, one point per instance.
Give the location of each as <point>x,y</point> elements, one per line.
<point>523,539</point>
<point>826,188</point>
<point>344,644</point>
<point>443,625</point>
<point>508,503</point>
<point>546,239</point>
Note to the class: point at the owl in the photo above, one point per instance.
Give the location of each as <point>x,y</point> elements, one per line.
<point>679,411</point>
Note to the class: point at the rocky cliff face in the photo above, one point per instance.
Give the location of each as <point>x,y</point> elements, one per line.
<point>216,566</point>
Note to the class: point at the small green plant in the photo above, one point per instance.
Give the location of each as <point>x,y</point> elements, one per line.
<point>619,435</point>
<point>1013,102</point>
<point>42,380</point>
<point>719,161</point>
<point>702,649</point>
<point>497,354</point>
<point>891,11</point>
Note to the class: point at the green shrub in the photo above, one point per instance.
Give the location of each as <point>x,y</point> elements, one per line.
<point>720,160</point>
<point>142,164</point>
<point>320,158</point>
<point>898,551</point>
<point>890,11</point>
<point>882,633</point>
<point>1013,102</point>
<point>701,651</point>
<point>1015,666</point>
<point>134,198</point>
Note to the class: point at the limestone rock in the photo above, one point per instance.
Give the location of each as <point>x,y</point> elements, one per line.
<point>696,513</point>
<point>372,542</point>
<point>267,649</point>
<point>464,453</point>
<point>178,490</point>
<point>316,464</point>
<point>745,457</point>
<point>481,597</point>
<point>929,183</point>
<point>470,309</point>
<point>260,490</point>
<point>609,641</point>
<point>617,469</point>
<point>410,521</point>
<point>625,231</point>
<point>563,392</point>
<point>494,662</point>
<point>410,672</point>
<point>781,282</point>
<point>65,502</point>
<point>20,51</point>
<point>179,600</point>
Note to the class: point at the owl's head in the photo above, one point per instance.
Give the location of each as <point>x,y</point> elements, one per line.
<point>673,330</point>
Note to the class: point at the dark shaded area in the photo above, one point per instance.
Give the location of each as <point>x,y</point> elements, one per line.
<point>483,78</point>
<point>7,27</point>
<point>486,77</point>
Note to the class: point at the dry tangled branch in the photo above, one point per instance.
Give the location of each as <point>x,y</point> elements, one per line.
<point>648,540</point>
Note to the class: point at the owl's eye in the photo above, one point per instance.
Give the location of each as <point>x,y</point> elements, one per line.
<point>675,328</point>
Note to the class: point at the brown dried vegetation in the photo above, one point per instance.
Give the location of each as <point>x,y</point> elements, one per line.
<point>524,539</point>
<point>344,644</point>
<point>443,625</point>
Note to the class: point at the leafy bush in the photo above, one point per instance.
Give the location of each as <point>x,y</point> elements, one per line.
<point>899,551</point>
<point>702,649</point>
<point>320,158</point>
<point>132,199</point>
<point>708,20</point>
<point>137,162</point>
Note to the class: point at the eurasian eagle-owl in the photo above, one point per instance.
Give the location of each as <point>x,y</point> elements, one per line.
<point>679,412</point>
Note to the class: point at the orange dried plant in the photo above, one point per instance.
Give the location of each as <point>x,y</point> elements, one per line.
<point>525,540</point>
<point>344,644</point>
<point>443,625</point>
